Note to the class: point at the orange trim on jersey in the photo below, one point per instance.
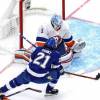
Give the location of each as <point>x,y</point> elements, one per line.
<point>40,44</point>
<point>70,44</point>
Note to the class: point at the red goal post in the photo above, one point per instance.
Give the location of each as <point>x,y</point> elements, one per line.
<point>12,21</point>
<point>44,7</point>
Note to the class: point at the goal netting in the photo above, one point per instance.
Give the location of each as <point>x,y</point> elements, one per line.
<point>22,18</point>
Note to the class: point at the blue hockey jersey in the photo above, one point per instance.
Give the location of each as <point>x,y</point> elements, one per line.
<point>43,61</point>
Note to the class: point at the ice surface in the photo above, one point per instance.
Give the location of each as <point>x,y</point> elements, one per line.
<point>71,87</point>
<point>90,57</point>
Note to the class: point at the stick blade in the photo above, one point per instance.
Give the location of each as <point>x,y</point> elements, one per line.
<point>97,76</point>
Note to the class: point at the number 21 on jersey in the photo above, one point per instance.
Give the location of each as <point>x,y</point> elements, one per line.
<point>41,56</point>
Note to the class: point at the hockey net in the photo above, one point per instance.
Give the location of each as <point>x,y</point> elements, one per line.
<point>19,20</point>
<point>16,18</point>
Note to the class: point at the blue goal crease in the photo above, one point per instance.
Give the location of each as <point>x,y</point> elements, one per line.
<point>90,57</point>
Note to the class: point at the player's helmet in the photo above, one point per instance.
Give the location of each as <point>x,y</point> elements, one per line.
<point>56,22</point>
<point>51,43</point>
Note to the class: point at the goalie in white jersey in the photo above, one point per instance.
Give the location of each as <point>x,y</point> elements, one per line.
<point>57,28</point>
<point>68,47</point>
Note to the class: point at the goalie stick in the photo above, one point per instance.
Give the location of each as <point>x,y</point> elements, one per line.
<point>28,41</point>
<point>36,90</point>
<point>93,78</point>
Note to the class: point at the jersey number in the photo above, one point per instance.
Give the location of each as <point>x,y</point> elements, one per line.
<point>41,56</point>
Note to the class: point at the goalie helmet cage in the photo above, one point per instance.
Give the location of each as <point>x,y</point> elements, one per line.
<point>21,14</point>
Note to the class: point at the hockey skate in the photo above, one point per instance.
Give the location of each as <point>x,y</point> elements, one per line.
<point>3,97</point>
<point>51,91</point>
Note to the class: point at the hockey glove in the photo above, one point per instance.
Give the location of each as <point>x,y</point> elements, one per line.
<point>78,46</point>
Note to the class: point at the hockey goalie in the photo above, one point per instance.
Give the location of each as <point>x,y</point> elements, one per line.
<point>67,47</point>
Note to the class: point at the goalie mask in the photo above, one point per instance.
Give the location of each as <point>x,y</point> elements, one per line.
<point>56,22</point>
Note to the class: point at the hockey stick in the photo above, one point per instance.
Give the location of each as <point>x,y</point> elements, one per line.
<point>28,41</point>
<point>93,78</point>
<point>39,91</point>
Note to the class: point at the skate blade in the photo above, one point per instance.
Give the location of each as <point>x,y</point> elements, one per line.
<point>46,95</point>
<point>6,99</point>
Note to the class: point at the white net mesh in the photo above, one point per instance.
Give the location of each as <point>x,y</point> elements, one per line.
<point>10,20</point>
<point>9,27</point>
<point>51,5</point>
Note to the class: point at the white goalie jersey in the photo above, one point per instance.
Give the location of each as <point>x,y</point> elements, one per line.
<point>47,31</point>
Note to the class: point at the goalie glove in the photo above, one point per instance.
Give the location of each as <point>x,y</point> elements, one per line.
<point>78,46</point>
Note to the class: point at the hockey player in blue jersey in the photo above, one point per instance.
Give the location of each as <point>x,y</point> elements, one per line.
<point>44,67</point>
